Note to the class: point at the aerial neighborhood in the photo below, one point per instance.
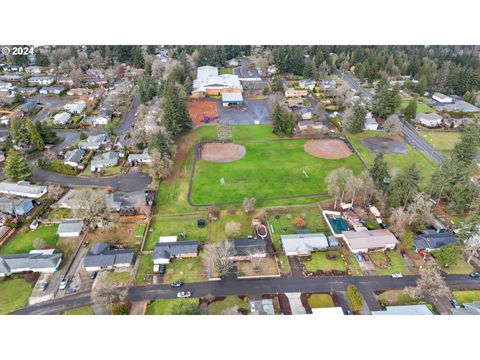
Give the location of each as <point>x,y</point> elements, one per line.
<point>240,180</point>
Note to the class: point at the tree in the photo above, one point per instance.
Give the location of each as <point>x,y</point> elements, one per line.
<point>368,186</point>
<point>393,125</point>
<point>309,69</point>
<point>92,208</point>
<point>447,255</point>
<point>399,221</point>
<point>404,187</point>
<point>185,308</point>
<point>337,183</point>
<point>16,167</point>
<point>108,295</point>
<point>175,113</point>
<point>422,85</point>
<point>356,121</point>
<point>470,97</point>
<point>121,309</point>
<point>47,133</point>
<point>469,234</point>
<point>283,121</point>
<point>218,256</point>
<point>249,204</point>
<point>387,100</point>
<point>38,243</point>
<point>299,222</point>
<point>430,283</point>
<point>35,137</point>
<point>410,111</point>
<point>354,298</point>
<point>161,165</point>
<point>379,171</point>
<point>420,210</point>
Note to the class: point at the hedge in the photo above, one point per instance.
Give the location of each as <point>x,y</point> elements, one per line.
<point>354,298</point>
<point>57,166</point>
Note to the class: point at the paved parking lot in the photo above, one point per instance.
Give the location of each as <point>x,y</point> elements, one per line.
<point>252,111</point>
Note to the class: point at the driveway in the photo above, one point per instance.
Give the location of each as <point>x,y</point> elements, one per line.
<point>252,111</point>
<point>296,303</point>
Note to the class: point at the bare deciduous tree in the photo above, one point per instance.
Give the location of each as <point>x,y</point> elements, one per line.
<point>337,182</point>
<point>421,209</point>
<point>249,204</point>
<point>92,208</point>
<point>393,125</point>
<point>55,191</point>
<point>399,221</point>
<point>368,187</point>
<point>430,283</point>
<point>257,259</point>
<point>108,295</point>
<point>471,245</point>
<point>161,165</point>
<point>218,256</point>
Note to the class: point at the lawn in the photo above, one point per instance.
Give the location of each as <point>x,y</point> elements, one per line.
<point>283,264</point>
<point>85,310</point>
<point>225,71</point>
<point>319,261</point>
<point>145,268</point>
<point>186,270</point>
<point>14,294</point>
<point>460,268</point>
<point>59,214</point>
<point>113,170</point>
<point>218,232</point>
<point>22,241</point>
<point>166,306</point>
<point>253,132</point>
<point>443,141</point>
<point>466,296</point>
<point>397,265</point>
<point>422,108</point>
<point>119,234</point>
<point>354,266</point>
<point>174,226</point>
<point>396,298</point>
<point>396,162</point>
<point>320,301</point>
<point>140,230</point>
<point>118,278</point>
<point>221,307</point>
<point>282,162</point>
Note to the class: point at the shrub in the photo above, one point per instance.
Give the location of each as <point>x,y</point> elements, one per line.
<point>354,298</point>
<point>121,309</point>
<point>299,222</point>
<point>232,228</point>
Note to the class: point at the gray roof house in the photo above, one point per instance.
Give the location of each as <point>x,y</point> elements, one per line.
<point>70,228</point>
<point>168,250</point>
<point>62,118</point>
<point>16,207</point>
<point>107,159</point>
<point>249,246</point>
<point>143,157</point>
<point>429,120</point>
<point>57,90</point>
<point>303,244</point>
<point>23,189</point>
<point>36,261</point>
<point>101,256</point>
<point>432,240</point>
<point>74,157</point>
<point>93,142</point>
<point>29,105</point>
<point>127,202</point>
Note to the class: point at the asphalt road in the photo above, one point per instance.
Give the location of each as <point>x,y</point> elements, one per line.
<point>129,119</point>
<point>366,285</point>
<point>411,136</point>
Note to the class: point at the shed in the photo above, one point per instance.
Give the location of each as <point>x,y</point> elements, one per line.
<point>70,228</point>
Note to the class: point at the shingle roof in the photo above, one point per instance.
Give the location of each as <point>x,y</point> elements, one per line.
<point>169,249</point>
<point>100,255</point>
<point>420,309</point>
<point>28,262</point>
<point>125,200</point>
<point>434,241</point>
<point>248,246</point>
<point>303,243</point>
<point>371,239</point>
<point>69,226</point>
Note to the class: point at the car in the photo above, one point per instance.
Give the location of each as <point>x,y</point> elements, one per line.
<point>43,285</point>
<point>34,224</point>
<point>162,269</point>
<point>474,274</point>
<point>184,294</point>
<point>71,291</point>
<point>176,284</point>
<point>359,257</point>
<point>63,284</point>
<point>455,304</point>
<point>403,253</point>
<point>366,257</point>
<point>397,275</point>
<point>93,275</point>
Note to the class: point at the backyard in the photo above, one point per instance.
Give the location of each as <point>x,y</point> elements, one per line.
<point>145,269</point>
<point>218,228</point>
<point>422,108</point>
<point>120,234</point>
<point>460,268</point>
<point>14,294</point>
<point>23,240</point>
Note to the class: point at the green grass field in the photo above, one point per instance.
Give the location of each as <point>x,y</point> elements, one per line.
<point>219,307</point>
<point>269,169</point>
<point>165,306</point>
<point>319,261</point>
<point>145,268</point>
<point>186,270</point>
<point>460,268</point>
<point>397,265</point>
<point>422,108</point>
<point>320,301</point>
<point>466,296</point>
<point>22,241</point>
<point>85,310</point>
<point>396,162</point>
<point>443,141</point>
<point>140,230</point>
<point>14,294</point>
<point>224,71</point>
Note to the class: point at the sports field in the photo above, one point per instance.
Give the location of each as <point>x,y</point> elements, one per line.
<point>269,169</point>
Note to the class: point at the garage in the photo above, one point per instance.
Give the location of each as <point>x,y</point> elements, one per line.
<point>232,99</point>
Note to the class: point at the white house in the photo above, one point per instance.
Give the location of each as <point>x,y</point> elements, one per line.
<point>101,161</point>
<point>75,108</point>
<point>308,84</point>
<point>306,113</point>
<point>56,90</point>
<point>41,80</point>
<point>441,98</point>
<point>429,120</point>
<point>62,118</point>
<point>94,142</point>
<point>70,228</point>
<point>74,157</point>
<point>363,241</point>
<point>232,63</point>
<point>101,256</point>
<point>303,244</point>
<point>43,261</point>
<point>142,158</point>
<point>23,189</point>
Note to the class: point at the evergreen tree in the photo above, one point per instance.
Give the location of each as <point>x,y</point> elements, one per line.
<point>35,137</point>
<point>386,101</point>
<point>410,111</point>
<point>404,186</point>
<point>422,85</point>
<point>356,122</point>
<point>188,85</point>
<point>49,136</point>
<point>379,171</point>
<point>16,167</point>
<point>309,70</point>
<point>283,121</point>
<point>175,113</point>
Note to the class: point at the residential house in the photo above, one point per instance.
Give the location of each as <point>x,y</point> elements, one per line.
<point>94,142</point>
<point>23,189</point>
<point>104,117</point>
<point>70,228</point>
<point>458,106</point>
<point>420,309</point>
<point>370,123</point>
<point>272,69</point>
<point>432,240</point>
<point>65,81</point>
<point>429,120</point>
<point>294,93</point>
<point>71,200</point>
<point>441,98</point>
<point>232,98</point>
<point>79,92</point>
<point>15,207</point>
<point>209,82</point>
<point>165,251</point>
<point>308,84</point>
<point>232,63</point>
<point>248,247</point>
<point>104,160</point>
<point>126,203</point>
<point>142,158</point>
<point>96,81</point>
<point>12,77</point>
<point>33,69</point>
<point>306,113</point>
<point>294,102</point>
<point>330,311</point>
<point>56,90</point>
<point>62,118</point>
<point>29,106</point>
<point>303,244</point>
<point>101,256</point>
<point>26,90</point>
<point>308,125</point>
<point>5,86</point>
<point>74,157</point>
<point>75,108</point>
<point>13,68</point>
<point>329,84</point>
<point>262,307</point>
<point>364,241</point>
<point>41,80</point>
<point>43,261</point>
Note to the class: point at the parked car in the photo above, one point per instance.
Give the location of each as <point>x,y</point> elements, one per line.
<point>93,275</point>
<point>184,294</point>
<point>176,284</point>
<point>455,304</point>
<point>63,284</point>
<point>162,269</point>
<point>474,274</point>
<point>359,257</point>
<point>366,257</point>
<point>34,224</point>
<point>397,275</point>
<point>403,253</point>
<point>43,285</point>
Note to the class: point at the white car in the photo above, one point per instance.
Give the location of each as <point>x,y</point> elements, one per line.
<point>397,275</point>
<point>184,294</point>
<point>63,284</point>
